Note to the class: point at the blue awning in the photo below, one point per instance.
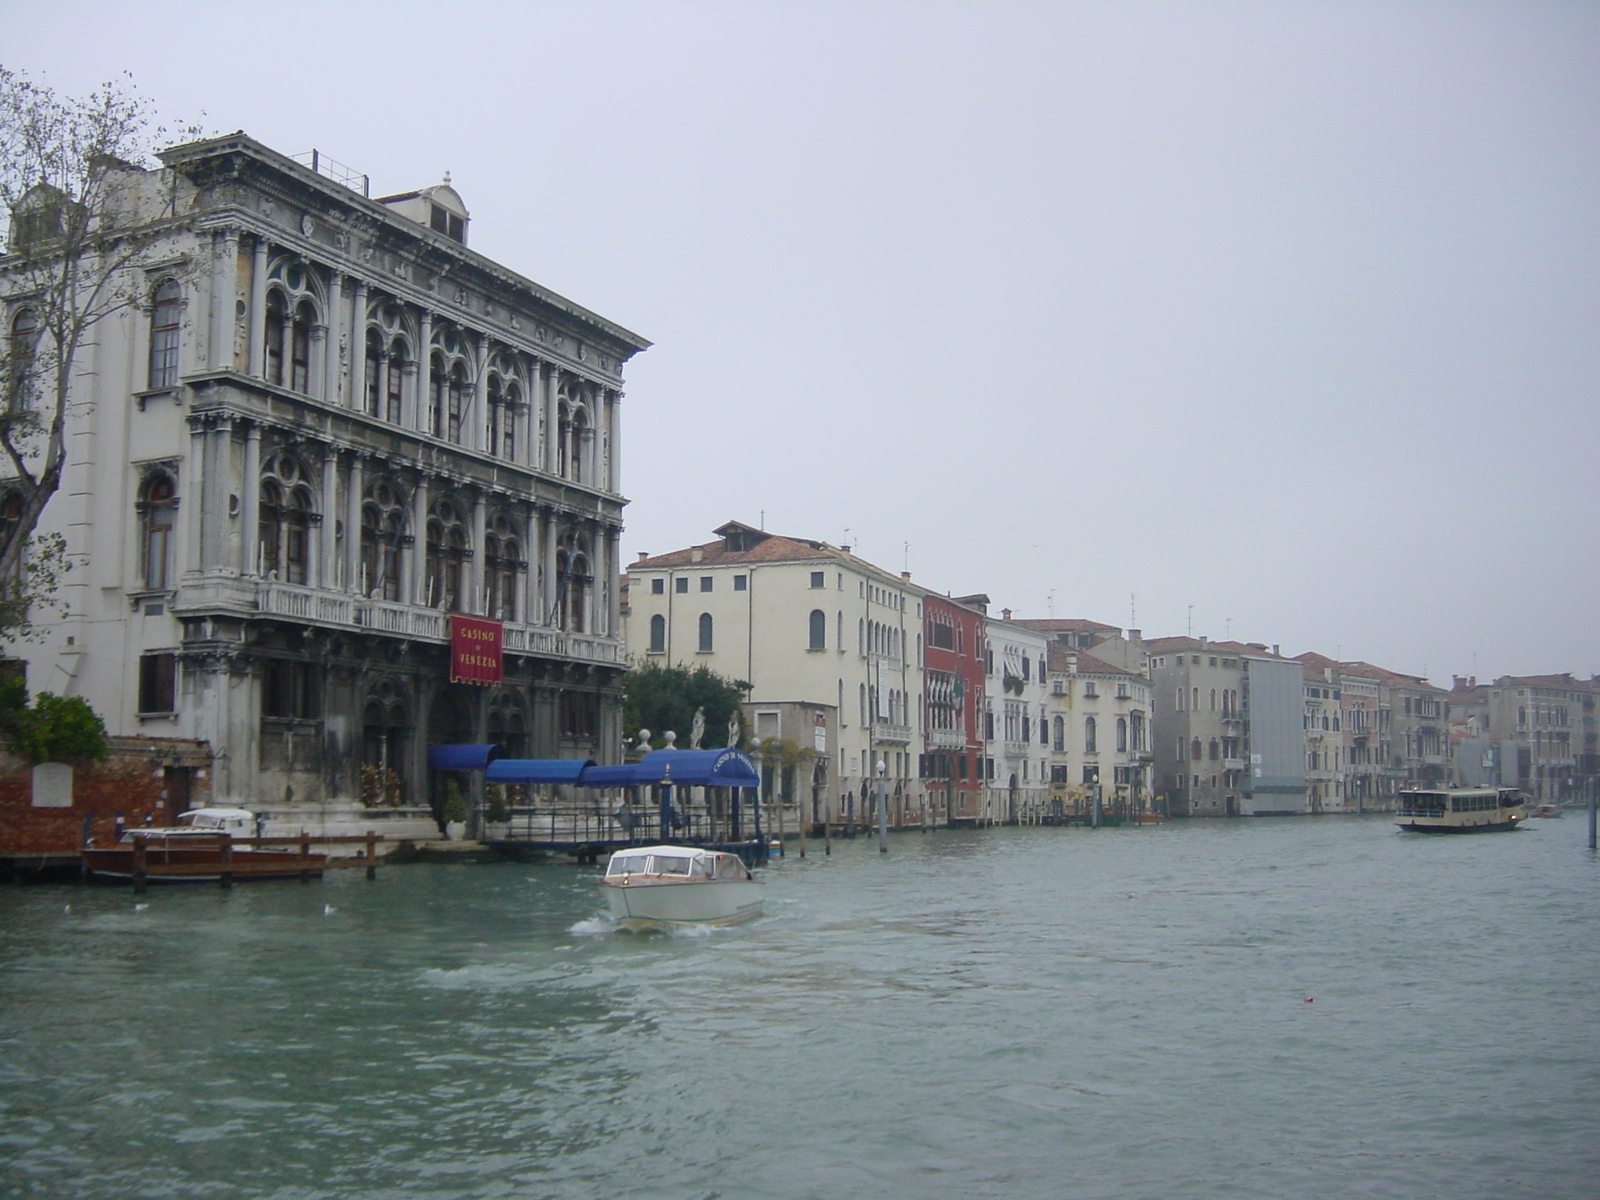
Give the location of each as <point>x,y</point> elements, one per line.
<point>691,768</point>
<point>463,756</point>
<point>537,770</point>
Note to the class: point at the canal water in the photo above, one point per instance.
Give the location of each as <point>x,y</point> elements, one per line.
<point>1289,1008</point>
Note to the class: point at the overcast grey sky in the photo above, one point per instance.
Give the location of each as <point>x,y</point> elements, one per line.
<point>1278,321</point>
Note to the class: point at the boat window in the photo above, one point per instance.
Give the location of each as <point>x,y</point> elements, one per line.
<point>670,865</point>
<point>631,864</point>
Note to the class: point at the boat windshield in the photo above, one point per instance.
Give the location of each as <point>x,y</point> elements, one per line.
<point>628,864</point>
<point>670,864</point>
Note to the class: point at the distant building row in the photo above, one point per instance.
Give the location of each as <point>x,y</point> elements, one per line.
<point>971,718</point>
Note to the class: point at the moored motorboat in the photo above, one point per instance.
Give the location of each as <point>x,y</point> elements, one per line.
<point>1461,810</point>
<point>661,887</point>
<point>198,849</point>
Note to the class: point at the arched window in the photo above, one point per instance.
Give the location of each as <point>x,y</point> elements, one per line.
<point>1058,740</point>
<point>165,309</point>
<point>1195,750</point>
<point>705,633</point>
<point>158,510</point>
<point>1212,750</point>
<point>382,518</point>
<point>563,427</point>
<point>503,564</point>
<point>508,423</point>
<point>438,385</point>
<point>20,349</point>
<point>395,381</point>
<point>277,319</point>
<point>284,522</point>
<point>1122,733</point>
<point>818,630</point>
<point>1089,736</point>
<point>11,510</point>
<point>458,403</point>
<point>658,634</point>
<point>447,554</point>
<point>373,392</point>
<point>580,438</point>
<point>300,346</point>
<point>1213,699</point>
<point>497,403</point>
<point>573,582</point>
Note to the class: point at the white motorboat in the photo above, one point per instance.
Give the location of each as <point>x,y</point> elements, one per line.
<point>659,887</point>
<point>191,852</point>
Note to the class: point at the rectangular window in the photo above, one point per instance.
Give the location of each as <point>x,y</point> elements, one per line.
<point>658,587</point>
<point>705,583</point>
<point>291,690</point>
<point>681,585</point>
<point>158,683</point>
<point>817,578</point>
<point>740,582</point>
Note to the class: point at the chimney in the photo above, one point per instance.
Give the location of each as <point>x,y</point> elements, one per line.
<point>906,575</point>
<point>643,554</point>
<point>1275,649</point>
<point>696,554</point>
<point>1005,614</point>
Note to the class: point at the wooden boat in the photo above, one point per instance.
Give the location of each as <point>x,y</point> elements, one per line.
<point>1461,810</point>
<point>199,849</point>
<point>660,887</point>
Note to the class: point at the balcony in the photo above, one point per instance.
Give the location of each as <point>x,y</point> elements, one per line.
<point>946,739</point>
<point>900,735</point>
<point>340,610</point>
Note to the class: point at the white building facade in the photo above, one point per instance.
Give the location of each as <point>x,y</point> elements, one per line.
<point>329,428</point>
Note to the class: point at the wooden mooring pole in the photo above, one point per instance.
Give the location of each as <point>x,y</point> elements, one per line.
<point>226,877</point>
<point>139,879</point>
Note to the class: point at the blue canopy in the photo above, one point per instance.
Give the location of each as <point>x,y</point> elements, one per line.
<point>462,756</point>
<point>692,768</point>
<point>537,770</point>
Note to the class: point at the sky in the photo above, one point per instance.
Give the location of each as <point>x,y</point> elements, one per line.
<point>1270,321</point>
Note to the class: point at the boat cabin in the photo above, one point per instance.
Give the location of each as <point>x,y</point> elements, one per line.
<point>677,863</point>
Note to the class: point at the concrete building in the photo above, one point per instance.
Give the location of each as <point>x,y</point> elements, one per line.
<point>1544,731</point>
<point>1229,732</point>
<point>1099,733</point>
<point>1016,722</point>
<point>955,758</point>
<point>809,626</point>
<point>1414,749</point>
<point>329,434</point>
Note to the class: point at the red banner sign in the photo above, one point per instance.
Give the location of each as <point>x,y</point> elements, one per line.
<point>475,650</point>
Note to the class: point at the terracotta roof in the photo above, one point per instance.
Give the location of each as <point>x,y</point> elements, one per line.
<point>1366,670</point>
<point>1254,649</point>
<point>757,546</point>
<point>1564,680</point>
<point>1065,625</point>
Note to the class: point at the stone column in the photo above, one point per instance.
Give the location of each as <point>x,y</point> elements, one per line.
<point>479,438</point>
<point>478,594</point>
<point>224,268</point>
<point>335,327</point>
<point>192,498</point>
<point>614,441</point>
<point>257,316</point>
<point>548,614</point>
<point>613,614</point>
<point>417,418</point>
<point>355,371</point>
<point>414,587</point>
<point>352,526</point>
<point>250,502</point>
<point>327,573</point>
<point>552,425</point>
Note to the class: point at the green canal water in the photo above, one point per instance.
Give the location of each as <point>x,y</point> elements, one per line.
<point>1292,1008</point>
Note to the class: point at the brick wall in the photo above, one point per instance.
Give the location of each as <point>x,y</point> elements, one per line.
<point>142,777</point>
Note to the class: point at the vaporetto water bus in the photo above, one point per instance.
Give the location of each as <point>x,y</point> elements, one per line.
<point>1461,810</point>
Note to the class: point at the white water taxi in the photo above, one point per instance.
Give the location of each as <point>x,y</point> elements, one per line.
<point>658,887</point>
<point>1461,810</point>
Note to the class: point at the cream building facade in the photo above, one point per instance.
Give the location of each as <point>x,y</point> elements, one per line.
<point>818,633</point>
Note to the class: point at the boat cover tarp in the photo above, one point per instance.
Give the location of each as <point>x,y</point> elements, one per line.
<point>463,756</point>
<point>691,768</point>
<point>537,770</point>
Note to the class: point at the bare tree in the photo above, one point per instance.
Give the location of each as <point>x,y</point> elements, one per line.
<point>70,171</point>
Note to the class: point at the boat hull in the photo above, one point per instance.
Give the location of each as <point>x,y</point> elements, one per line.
<point>199,864</point>
<point>1483,827</point>
<point>641,906</point>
